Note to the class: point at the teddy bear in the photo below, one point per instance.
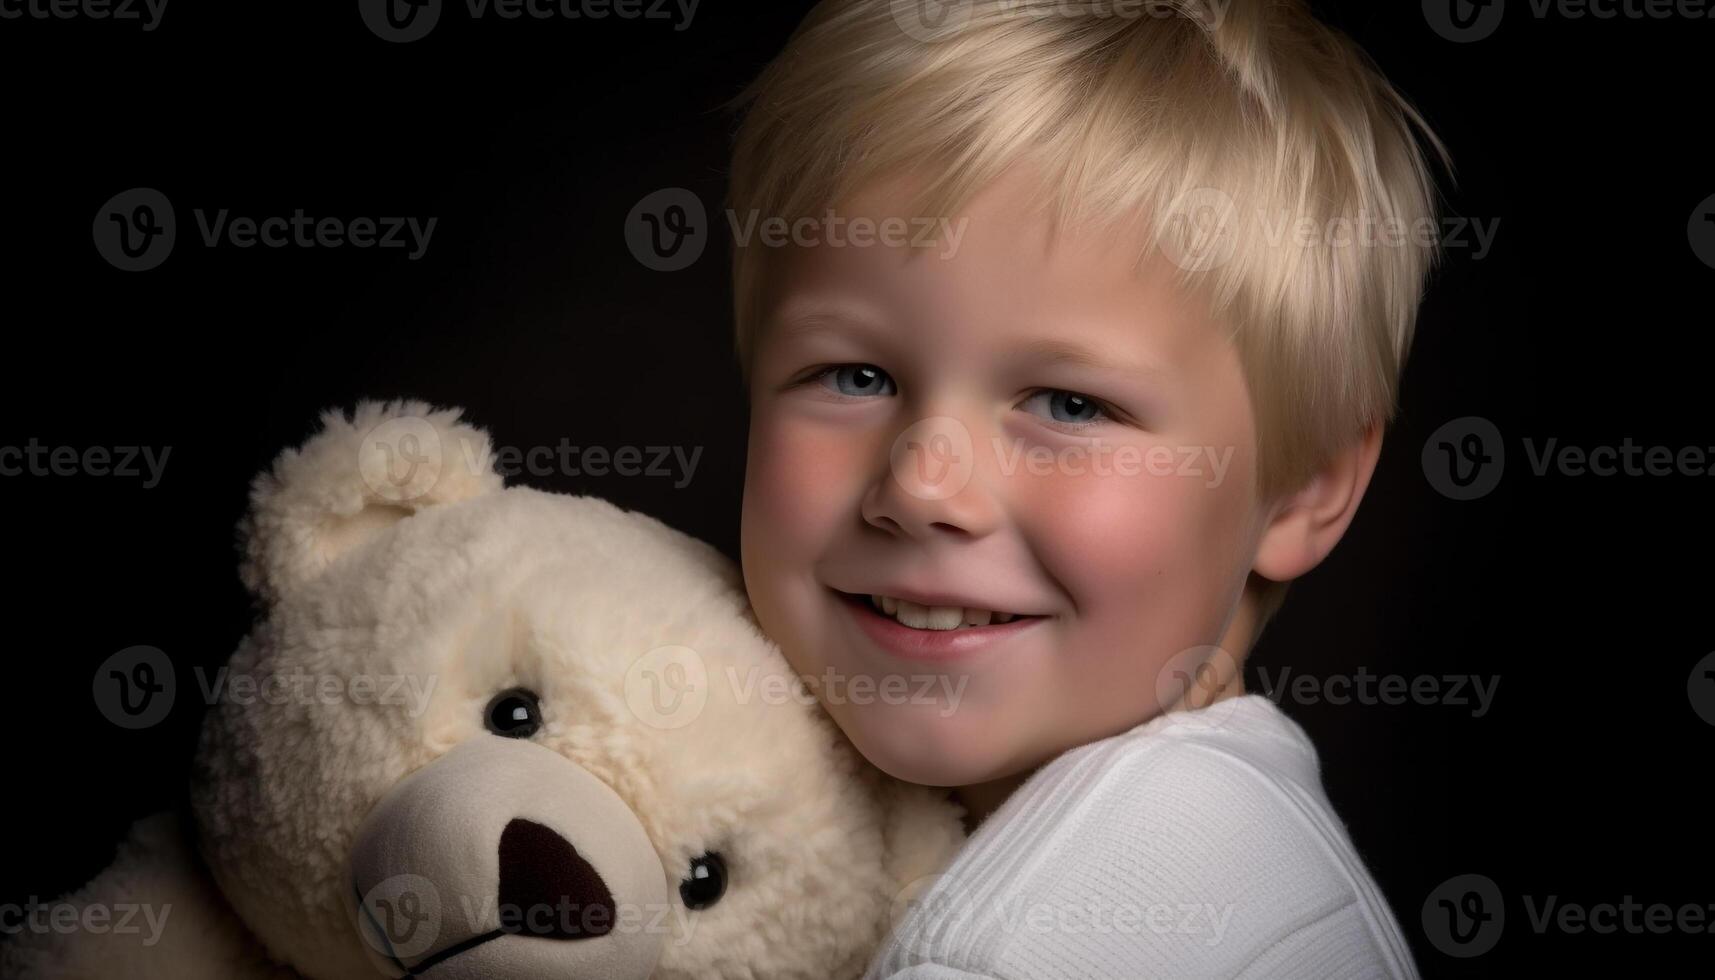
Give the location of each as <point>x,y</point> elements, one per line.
<point>490,731</point>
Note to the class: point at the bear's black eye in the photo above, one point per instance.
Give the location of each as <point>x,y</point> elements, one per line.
<point>515,714</point>
<point>704,885</point>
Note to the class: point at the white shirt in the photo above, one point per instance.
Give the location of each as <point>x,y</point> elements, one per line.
<point>1199,844</point>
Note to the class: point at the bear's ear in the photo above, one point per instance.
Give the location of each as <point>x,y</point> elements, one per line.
<point>351,480</point>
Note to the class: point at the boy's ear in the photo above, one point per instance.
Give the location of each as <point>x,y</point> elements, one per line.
<point>350,481</point>
<point>1307,523</point>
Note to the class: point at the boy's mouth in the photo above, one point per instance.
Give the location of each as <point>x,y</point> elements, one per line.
<point>919,616</point>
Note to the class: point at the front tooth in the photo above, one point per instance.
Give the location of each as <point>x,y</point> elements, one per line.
<point>911,614</point>
<point>923,617</point>
<point>929,617</point>
<point>946,617</point>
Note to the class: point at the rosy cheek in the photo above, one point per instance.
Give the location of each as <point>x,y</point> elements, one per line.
<point>1092,527</point>
<point>782,511</point>
<point>1137,551</point>
<point>797,476</point>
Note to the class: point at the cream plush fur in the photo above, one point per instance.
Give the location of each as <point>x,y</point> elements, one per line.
<point>436,579</point>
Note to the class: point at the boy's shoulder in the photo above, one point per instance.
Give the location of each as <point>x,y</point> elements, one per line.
<point>1199,843</point>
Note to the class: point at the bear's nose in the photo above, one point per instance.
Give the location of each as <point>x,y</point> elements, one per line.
<point>547,889</point>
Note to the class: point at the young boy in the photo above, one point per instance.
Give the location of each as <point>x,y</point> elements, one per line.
<point>1019,502</point>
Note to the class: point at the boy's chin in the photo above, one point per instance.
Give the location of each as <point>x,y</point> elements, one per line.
<point>917,745</point>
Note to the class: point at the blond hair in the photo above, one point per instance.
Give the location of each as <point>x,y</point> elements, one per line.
<point>1250,111</point>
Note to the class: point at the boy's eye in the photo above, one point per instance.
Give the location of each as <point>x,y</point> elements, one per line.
<point>1066,406</point>
<point>857,380</point>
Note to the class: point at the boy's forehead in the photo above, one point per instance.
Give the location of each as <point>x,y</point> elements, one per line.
<point>1004,221</point>
<point>997,269</point>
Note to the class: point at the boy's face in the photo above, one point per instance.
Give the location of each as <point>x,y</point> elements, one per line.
<point>1011,429</point>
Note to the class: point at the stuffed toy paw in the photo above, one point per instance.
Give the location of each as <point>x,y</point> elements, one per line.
<point>482,731</point>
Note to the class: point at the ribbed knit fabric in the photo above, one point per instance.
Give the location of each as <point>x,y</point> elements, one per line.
<point>1199,844</point>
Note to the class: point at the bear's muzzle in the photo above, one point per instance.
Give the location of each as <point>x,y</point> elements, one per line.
<point>503,858</point>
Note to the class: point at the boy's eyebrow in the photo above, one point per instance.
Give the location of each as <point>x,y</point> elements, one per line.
<point>1061,351</point>
<point>804,318</point>
<point>801,319</point>
<point>1119,366</point>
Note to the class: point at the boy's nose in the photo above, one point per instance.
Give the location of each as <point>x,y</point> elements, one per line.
<point>931,483</point>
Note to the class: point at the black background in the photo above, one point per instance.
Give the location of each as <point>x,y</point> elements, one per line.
<point>1585,598</point>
